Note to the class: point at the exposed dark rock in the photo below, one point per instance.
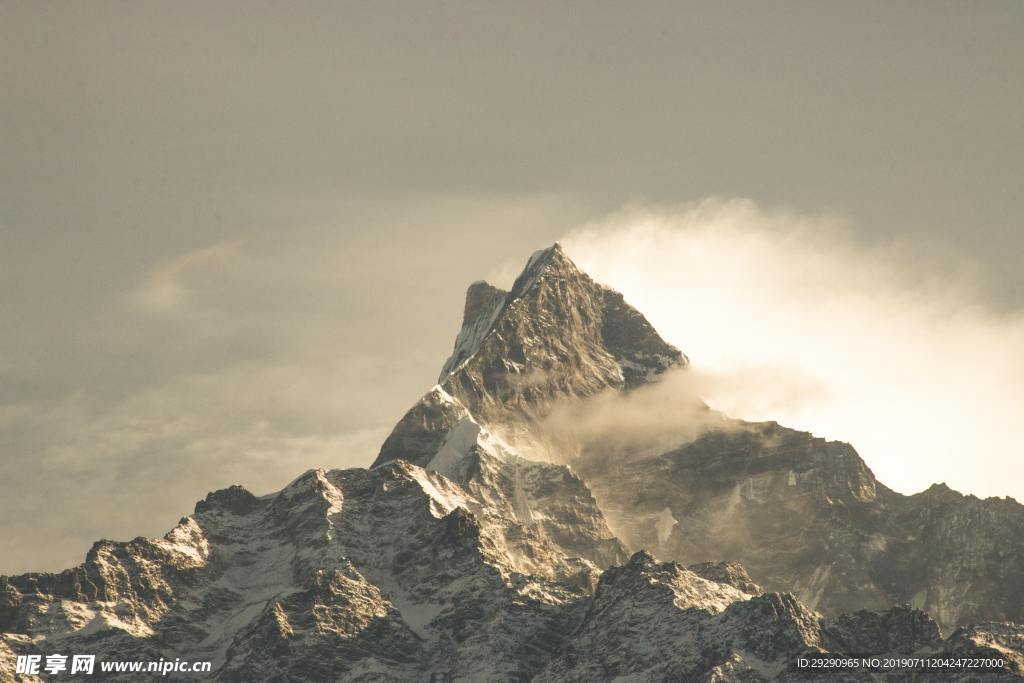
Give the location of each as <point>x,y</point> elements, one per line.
<point>235,499</point>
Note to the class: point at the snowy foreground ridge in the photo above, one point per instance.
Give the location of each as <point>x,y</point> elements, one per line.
<point>502,536</point>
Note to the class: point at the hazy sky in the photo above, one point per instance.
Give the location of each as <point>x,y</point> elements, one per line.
<point>235,237</point>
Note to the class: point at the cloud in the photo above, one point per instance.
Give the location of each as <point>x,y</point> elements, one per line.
<point>897,350</point>
<point>166,290</point>
<point>649,420</point>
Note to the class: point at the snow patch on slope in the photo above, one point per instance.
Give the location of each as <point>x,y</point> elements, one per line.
<point>451,458</point>
<point>444,497</point>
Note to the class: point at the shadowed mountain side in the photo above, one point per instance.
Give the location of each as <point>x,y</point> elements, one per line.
<point>807,515</point>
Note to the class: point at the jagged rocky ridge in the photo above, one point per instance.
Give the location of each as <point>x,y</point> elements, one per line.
<point>393,573</point>
<point>399,574</point>
<point>461,556</point>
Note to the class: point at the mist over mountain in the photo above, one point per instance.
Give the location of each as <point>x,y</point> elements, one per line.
<point>560,506</point>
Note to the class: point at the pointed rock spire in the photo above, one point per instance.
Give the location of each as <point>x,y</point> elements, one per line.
<point>556,334</point>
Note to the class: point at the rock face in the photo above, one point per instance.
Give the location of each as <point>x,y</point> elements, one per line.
<point>394,573</point>
<point>557,336</point>
<point>483,547</point>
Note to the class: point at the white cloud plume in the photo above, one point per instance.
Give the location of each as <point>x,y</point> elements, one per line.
<point>897,351</point>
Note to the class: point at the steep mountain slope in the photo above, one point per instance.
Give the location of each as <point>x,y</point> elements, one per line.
<point>556,336</point>
<point>801,513</point>
<point>359,574</point>
<point>471,551</point>
<point>807,515</point>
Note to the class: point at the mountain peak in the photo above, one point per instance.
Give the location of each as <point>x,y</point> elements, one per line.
<point>550,261</point>
<point>483,303</point>
<point>556,335</point>
<point>553,300</point>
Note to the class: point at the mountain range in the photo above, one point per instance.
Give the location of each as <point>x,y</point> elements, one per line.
<point>560,506</point>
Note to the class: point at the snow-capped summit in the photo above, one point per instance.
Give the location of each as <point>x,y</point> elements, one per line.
<point>556,336</point>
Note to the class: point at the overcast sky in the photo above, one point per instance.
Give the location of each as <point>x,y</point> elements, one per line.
<point>235,237</point>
